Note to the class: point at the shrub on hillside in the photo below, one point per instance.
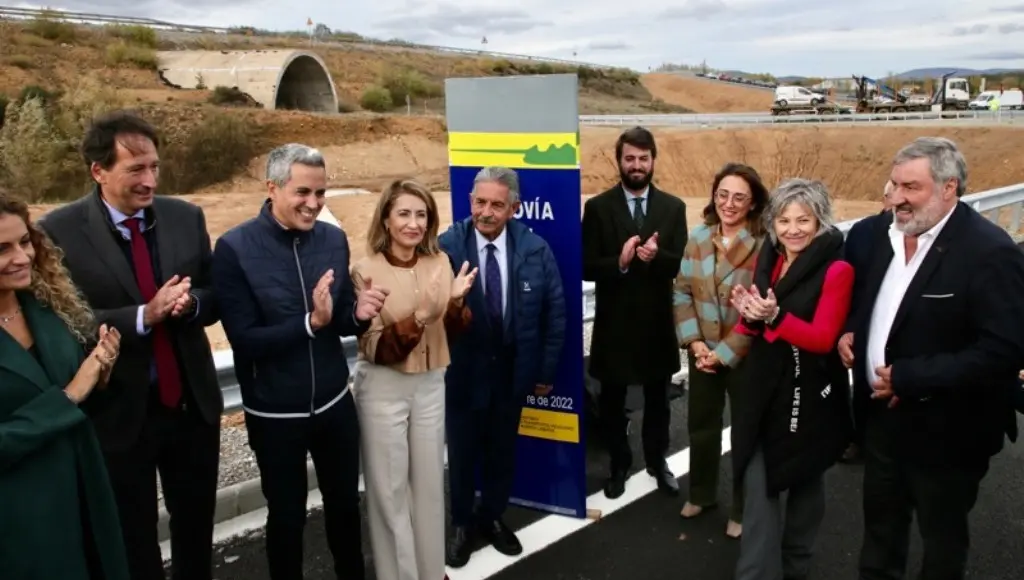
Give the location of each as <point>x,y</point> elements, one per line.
<point>212,151</point>
<point>44,95</point>
<point>408,82</point>
<point>376,99</point>
<point>50,27</point>
<point>346,107</point>
<point>222,95</point>
<point>134,34</point>
<point>121,53</point>
<point>21,61</point>
<point>38,141</point>
<point>32,153</point>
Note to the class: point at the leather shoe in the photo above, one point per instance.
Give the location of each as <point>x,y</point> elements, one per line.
<point>666,481</point>
<point>459,548</point>
<point>501,537</point>
<point>615,485</point>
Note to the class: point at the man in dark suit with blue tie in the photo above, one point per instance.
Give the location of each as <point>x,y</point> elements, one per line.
<point>511,349</point>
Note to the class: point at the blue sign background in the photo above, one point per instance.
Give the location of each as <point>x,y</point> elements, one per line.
<point>550,475</point>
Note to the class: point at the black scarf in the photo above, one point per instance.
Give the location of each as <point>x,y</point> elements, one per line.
<point>788,396</point>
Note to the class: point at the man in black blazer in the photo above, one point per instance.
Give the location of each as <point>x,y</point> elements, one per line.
<point>143,263</point>
<point>860,241</point>
<point>633,240</point>
<point>937,346</point>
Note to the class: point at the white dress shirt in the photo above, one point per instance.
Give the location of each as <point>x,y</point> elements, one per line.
<point>501,255</point>
<point>894,286</point>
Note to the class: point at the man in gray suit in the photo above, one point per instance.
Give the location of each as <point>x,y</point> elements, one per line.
<point>143,264</point>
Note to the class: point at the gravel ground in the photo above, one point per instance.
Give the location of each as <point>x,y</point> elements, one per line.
<point>237,463</point>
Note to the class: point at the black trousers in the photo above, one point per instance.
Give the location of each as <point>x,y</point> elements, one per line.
<point>655,432</point>
<point>280,446</point>
<point>893,490</point>
<point>483,439</point>
<point>186,452</point>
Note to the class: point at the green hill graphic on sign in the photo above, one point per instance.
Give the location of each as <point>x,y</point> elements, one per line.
<point>553,155</point>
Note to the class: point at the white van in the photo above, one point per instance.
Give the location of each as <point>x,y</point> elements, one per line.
<point>1008,100</point>
<point>794,95</point>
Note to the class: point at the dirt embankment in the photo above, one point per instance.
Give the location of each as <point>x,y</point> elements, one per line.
<point>707,96</point>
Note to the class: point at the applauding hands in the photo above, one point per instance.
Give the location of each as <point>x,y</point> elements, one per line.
<point>463,281</point>
<point>95,369</point>
<point>751,306</point>
<point>172,299</point>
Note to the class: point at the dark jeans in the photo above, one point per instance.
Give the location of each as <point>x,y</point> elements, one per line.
<point>280,446</point>
<point>186,452</point>
<point>705,406</point>
<point>612,403</point>
<point>893,490</point>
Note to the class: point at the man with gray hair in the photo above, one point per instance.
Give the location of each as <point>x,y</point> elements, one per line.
<point>937,344</point>
<point>282,284</point>
<point>510,350</point>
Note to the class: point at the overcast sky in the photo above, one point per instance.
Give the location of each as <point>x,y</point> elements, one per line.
<point>784,37</point>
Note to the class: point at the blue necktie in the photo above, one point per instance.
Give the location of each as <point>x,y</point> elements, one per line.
<point>492,287</point>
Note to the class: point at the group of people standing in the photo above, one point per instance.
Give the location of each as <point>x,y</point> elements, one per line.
<point>107,379</point>
<point>775,311</point>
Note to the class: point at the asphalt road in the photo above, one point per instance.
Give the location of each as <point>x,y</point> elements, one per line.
<point>647,540</point>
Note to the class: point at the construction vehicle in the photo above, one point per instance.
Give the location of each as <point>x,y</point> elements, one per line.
<point>953,94</point>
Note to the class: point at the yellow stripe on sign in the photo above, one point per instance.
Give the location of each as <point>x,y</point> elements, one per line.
<point>516,150</point>
<point>552,425</point>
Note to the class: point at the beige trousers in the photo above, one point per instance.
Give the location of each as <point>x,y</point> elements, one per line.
<point>401,419</point>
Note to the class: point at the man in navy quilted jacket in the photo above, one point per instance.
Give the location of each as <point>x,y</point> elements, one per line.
<point>282,283</point>
<point>510,350</point>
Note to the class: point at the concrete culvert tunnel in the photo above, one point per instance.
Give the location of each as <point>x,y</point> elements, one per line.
<point>276,79</point>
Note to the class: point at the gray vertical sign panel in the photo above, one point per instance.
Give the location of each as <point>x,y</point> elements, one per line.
<point>520,104</point>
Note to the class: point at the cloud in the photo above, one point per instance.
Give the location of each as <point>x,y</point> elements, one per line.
<point>971,30</point>
<point>608,45</point>
<point>999,55</point>
<point>870,37</point>
<point>695,9</point>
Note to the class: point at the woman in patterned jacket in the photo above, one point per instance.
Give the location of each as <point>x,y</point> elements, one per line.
<point>720,254</point>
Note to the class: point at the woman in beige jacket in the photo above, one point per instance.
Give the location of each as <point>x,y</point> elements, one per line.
<point>399,381</point>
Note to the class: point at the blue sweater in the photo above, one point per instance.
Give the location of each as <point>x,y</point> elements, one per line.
<point>263,278</point>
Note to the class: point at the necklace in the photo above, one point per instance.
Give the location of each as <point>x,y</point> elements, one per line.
<point>5,319</point>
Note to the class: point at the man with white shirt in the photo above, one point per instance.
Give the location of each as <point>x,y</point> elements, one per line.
<point>938,340</point>
<point>511,349</point>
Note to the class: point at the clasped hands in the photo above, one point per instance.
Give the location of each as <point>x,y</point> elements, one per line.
<point>369,301</point>
<point>173,299</point>
<point>431,306</point>
<point>633,247</point>
<point>752,306</point>
<point>706,359</point>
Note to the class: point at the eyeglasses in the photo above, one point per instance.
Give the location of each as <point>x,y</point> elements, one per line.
<point>723,196</point>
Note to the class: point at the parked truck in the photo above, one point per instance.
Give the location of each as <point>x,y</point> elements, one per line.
<point>952,94</point>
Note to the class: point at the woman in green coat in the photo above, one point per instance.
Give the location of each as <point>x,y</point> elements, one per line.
<point>58,518</point>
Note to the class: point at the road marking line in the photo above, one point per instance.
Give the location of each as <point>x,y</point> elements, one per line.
<point>537,536</point>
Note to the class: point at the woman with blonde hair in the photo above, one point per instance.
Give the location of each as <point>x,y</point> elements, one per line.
<point>54,488</point>
<point>399,381</point>
<point>719,255</point>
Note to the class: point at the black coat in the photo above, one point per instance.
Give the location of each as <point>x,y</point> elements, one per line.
<point>103,272</point>
<point>955,346</point>
<point>634,338</point>
<point>792,403</point>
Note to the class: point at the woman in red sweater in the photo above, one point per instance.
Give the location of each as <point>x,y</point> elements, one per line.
<point>793,422</point>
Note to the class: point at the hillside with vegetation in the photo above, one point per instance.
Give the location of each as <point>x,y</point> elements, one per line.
<point>56,75</point>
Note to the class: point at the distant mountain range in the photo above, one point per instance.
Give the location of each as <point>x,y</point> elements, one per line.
<point>923,73</point>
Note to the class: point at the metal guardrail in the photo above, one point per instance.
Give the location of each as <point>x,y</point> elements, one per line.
<point>18,13</point>
<point>988,203</point>
<point>701,119</point>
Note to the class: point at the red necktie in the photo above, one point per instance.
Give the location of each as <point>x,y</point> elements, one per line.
<point>168,377</point>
